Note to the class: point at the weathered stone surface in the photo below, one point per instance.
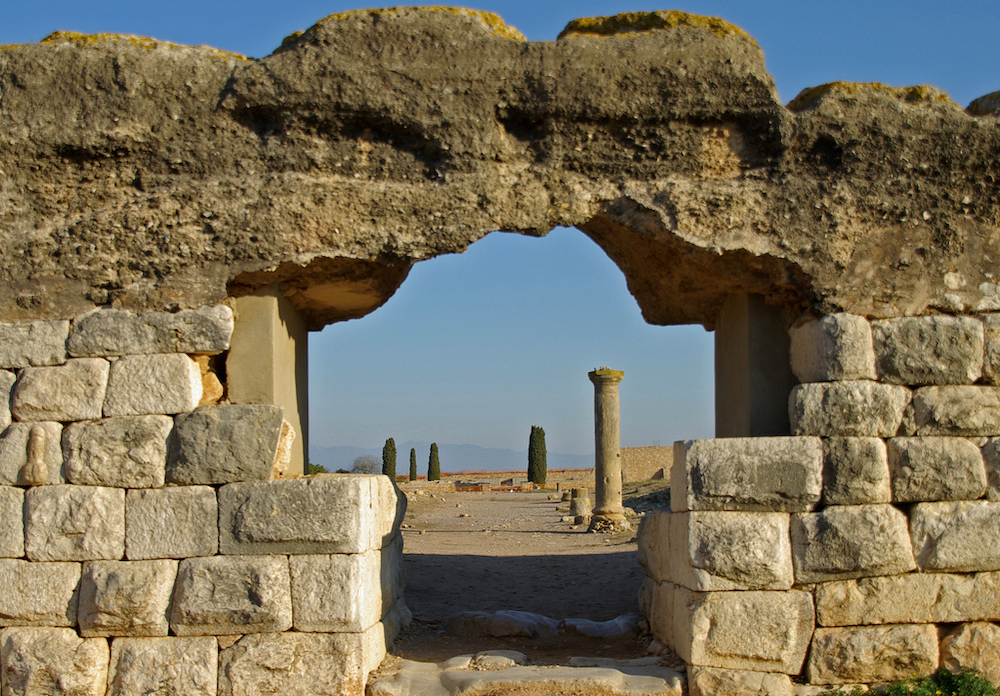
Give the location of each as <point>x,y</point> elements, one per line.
<point>392,575</point>
<point>653,544</point>
<point>42,440</point>
<point>11,522</point>
<point>224,444</point>
<point>758,473</point>
<point>292,664</point>
<point>171,523</point>
<point>126,598</point>
<point>38,594</point>
<point>956,536</point>
<point>935,468</point>
<point>164,666</point>
<point>346,513</point>
<point>34,343</point>
<point>857,408</point>
<point>7,380</point>
<point>850,541</point>
<point>836,347</point>
<point>123,452</point>
<point>991,360</point>
<point>855,471</point>
<point>991,457</point>
<point>913,598</point>
<point>74,391</point>
<point>147,384</point>
<point>52,662</point>
<point>957,410</point>
<point>227,595</point>
<point>74,523</point>
<point>872,654</point>
<point>973,646</point>
<point>929,350</point>
<point>110,332</point>
<point>338,593</point>
<point>712,681</point>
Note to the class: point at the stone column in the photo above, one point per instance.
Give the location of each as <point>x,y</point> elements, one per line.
<point>608,515</point>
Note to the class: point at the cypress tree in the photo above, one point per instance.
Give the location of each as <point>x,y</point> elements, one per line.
<point>413,464</point>
<point>537,466</point>
<point>389,459</point>
<point>434,465</point>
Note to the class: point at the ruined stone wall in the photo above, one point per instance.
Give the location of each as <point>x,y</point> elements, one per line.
<point>645,463</point>
<point>862,549</point>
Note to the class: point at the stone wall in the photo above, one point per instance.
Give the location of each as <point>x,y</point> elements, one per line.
<point>645,463</point>
<point>149,541</point>
<point>863,548</point>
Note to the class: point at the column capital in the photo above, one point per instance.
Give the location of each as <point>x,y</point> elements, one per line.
<point>606,374</point>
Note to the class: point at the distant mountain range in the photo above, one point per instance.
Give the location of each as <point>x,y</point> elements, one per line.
<point>453,458</point>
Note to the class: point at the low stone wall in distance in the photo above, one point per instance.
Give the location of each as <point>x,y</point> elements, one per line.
<point>646,463</point>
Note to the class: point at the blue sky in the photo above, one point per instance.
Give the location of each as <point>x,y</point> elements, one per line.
<point>475,348</point>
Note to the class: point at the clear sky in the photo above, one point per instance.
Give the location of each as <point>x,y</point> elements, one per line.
<point>476,348</point>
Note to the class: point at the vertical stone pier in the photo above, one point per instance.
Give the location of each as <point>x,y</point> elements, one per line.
<point>609,515</point>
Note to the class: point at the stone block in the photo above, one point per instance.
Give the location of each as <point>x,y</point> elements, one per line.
<point>108,332</point>
<point>126,598</point>
<point>52,662</point>
<point>850,541</point>
<point>293,664</point>
<point>347,513</point>
<point>153,384</point>
<point>856,408</point>
<point>870,654</point>
<point>929,350</point>
<point>11,522</point>
<point>966,411</point>
<point>765,474</point>
<point>227,595</point>
<point>33,343</point>
<point>177,522</point>
<point>912,598</point>
<point>336,593</point>
<point>7,380</point>
<point>392,576</point>
<point>38,594</point>
<point>855,471</point>
<point>224,444</point>
<point>164,666</point>
<point>653,542</point>
<point>712,681</point>
<point>36,443</point>
<point>74,523</point>
<point>960,537</point>
<point>991,360</point>
<point>70,392</point>
<point>973,646</point>
<point>123,452</point>
<point>935,468</point>
<point>835,348</point>
<point>991,458</point>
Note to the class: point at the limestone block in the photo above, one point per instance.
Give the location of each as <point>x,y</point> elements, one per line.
<point>123,452</point>
<point>913,598</point>
<point>850,541</point>
<point>712,681</point>
<point>336,593</point>
<point>38,594</point>
<point>70,392</point>
<point>991,361</point>
<point>148,384</point>
<point>929,350</point>
<point>653,542</point>
<point>766,474</point>
<point>224,444</point>
<point>346,513</point>
<point>991,458</point>
<point>935,468</point>
<point>74,523</point>
<point>856,408</point>
<point>392,576</point>
<point>31,454</point>
<point>33,343</point>
<point>7,380</point>
<point>164,666</point>
<point>957,537</point>
<point>11,522</point>
<point>398,618</point>
<point>52,662</point>
<point>177,522</point>
<point>835,348</point>
<point>293,664</point>
<point>967,411</point>
<point>107,332</point>
<point>873,653</point>
<point>973,646</point>
<point>227,595</point>
<point>855,471</point>
<point>126,598</point>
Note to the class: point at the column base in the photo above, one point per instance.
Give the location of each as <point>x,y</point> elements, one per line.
<point>605,524</point>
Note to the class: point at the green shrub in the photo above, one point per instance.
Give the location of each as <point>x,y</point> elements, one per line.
<point>389,459</point>
<point>312,469</point>
<point>942,683</point>
<point>434,465</point>
<point>413,464</point>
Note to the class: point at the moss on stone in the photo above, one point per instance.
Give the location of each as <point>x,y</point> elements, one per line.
<point>94,40</point>
<point>916,95</point>
<point>632,22</point>
<point>493,21</point>
<point>986,105</point>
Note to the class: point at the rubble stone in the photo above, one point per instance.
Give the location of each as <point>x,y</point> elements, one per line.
<point>929,349</point>
<point>52,662</point>
<point>958,537</point>
<point>7,380</point>
<point>991,361</point>
<point>855,471</point>
<point>712,681</point>
<point>870,654</point>
<point>111,332</point>
<point>74,523</point>
<point>835,348</point>
<point>69,392</point>
<point>164,666</point>
<point>11,522</point>
<point>336,593</point>
<point>967,411</point>
<point>33,343</point>
<point>153,384</point>
<point>991,457</point>
<point>973,646</point>
<point>38,594</point>
<point>43,441</point>
<point>123,452</point>
<point>935,469</point>
<point>126,598</point>
<point>856,408</point>
<point>171,523</point>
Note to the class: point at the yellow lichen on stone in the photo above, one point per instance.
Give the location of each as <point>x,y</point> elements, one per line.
<point>631,22</point>
<point>986,105</point>
<point>916,95</point>
<point>493,21</point>
<point>93,40</point>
